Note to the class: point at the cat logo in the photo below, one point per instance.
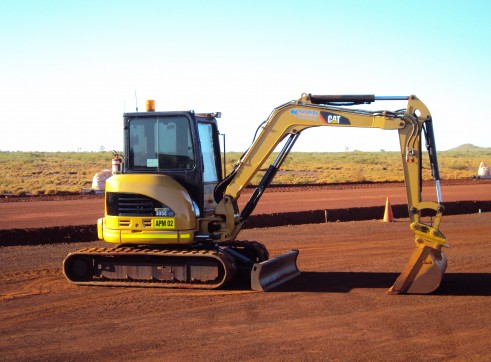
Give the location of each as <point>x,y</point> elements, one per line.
<point>333,118</point>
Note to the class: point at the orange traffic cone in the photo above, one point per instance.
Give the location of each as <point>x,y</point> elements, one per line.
<point>388,217</point>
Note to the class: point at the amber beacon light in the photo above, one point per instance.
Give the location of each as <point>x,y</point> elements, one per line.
<point>150,105</point>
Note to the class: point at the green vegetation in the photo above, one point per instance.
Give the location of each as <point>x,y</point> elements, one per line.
<point>50,173</point>
<point>339,167</point>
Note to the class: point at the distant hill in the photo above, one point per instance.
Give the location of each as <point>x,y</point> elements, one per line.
<point>469,148</point>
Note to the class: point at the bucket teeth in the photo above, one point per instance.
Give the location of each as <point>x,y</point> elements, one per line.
<point>422,274</point>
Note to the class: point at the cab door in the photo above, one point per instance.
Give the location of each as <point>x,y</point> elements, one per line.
<point>212,170</point>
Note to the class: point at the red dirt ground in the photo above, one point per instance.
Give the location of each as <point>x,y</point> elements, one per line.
<point>64,211</point>
<point>336,310</point>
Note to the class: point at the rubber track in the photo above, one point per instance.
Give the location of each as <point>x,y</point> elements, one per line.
<point>226,261</point>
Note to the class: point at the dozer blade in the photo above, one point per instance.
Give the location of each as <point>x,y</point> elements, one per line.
<point>422,274</point>
<point>273,272</point>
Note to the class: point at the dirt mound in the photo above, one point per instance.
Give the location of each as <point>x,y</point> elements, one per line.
<point>85,233</point>
<point>355,214</point>
<point>48,235</point>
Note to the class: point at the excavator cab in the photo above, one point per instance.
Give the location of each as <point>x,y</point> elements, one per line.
<point>171,167</point>
<point>181,145</point>
<point>161,212</point>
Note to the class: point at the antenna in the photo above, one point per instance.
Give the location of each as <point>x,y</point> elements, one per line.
<point>136,101</point>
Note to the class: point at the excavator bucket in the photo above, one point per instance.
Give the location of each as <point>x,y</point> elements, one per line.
<point>273,272</point>
<point>422,274</point>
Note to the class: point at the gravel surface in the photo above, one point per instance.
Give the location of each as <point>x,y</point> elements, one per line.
<point>336,310</point>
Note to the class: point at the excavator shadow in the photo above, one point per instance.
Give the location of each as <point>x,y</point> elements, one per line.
<point>464,284</point>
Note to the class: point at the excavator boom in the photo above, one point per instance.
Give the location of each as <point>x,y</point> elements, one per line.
<point>426,267</point>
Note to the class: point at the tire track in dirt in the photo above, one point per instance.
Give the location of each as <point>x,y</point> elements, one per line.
<point>31,282</point>
<point>28,283</point>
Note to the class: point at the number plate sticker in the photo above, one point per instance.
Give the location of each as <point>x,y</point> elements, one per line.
<point>167,223</point>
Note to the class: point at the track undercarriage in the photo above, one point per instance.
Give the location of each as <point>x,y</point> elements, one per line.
<point>194,267</point>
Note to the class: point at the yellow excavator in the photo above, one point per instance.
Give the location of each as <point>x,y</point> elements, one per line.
<point>175,218</point>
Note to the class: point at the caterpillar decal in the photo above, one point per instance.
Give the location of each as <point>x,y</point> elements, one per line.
<point>329,118</point>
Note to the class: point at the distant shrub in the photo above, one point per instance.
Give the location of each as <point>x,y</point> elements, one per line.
<point>51,173</point>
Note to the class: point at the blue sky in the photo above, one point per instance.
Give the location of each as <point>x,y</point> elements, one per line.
<point>69,69</point>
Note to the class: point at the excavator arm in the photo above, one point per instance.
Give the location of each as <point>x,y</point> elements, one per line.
<point>427,264</point>
<point>289,120</point>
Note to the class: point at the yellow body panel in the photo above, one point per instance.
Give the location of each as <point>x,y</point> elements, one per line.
<point>135,236</point>
<point>178,229</point>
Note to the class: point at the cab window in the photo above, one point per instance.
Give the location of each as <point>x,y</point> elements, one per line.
<point>160,143</point>
<point>208,149</point>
